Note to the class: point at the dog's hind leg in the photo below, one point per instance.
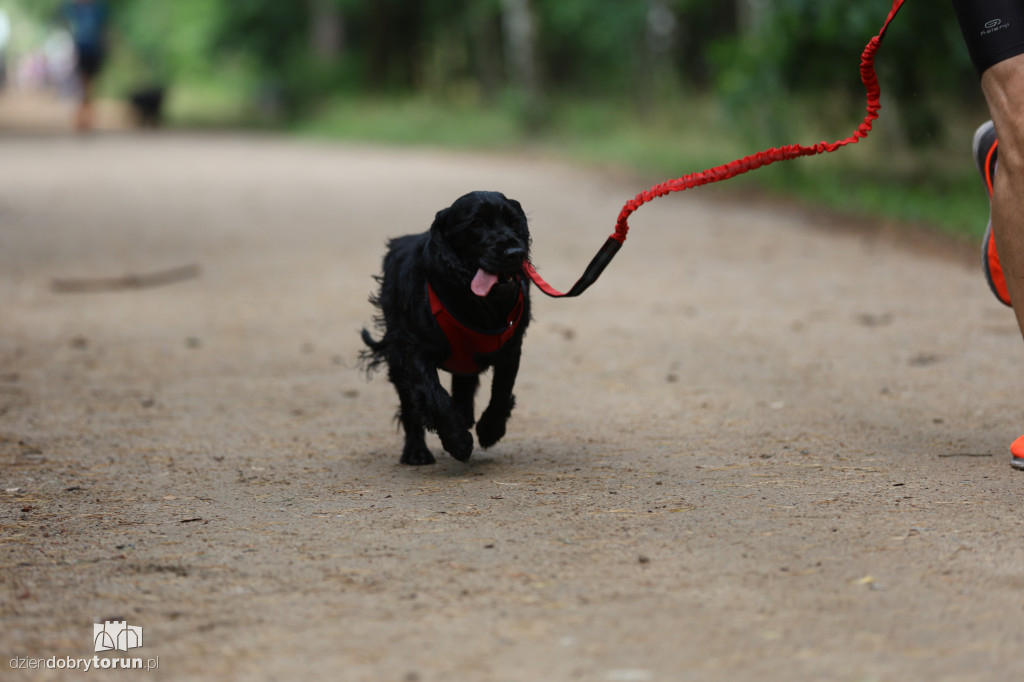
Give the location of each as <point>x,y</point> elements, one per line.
<point>415,452</point>
<point>463,392</point>
<point>491,427</point>
<point>425,404</point>
<point>441,415</point>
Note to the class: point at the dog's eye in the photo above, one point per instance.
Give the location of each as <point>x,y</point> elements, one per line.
<point>460,228</point>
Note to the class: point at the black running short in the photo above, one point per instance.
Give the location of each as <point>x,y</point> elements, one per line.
<point>993,30</point>
<point>90,60</point>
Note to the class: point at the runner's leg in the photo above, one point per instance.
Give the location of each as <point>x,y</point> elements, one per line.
<point>994,33</point>
<point>1003,85</point>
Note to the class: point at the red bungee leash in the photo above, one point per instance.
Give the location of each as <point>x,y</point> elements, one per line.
<point>729,170</point>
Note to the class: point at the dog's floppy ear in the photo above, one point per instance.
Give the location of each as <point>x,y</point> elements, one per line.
<point>439,251</point>
<point>439,228</point>
<point>522,228</point>
<point>440,219</point>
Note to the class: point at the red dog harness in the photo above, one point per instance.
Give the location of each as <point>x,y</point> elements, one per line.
<point>467,344</point>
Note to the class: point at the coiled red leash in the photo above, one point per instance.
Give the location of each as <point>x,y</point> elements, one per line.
<point>729,170</point>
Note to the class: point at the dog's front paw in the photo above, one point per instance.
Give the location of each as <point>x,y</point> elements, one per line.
<point>490,429</point>
<point>417,455</point>
<point>459,445</point>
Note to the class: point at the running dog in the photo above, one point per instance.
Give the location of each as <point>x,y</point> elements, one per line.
<point>454,298</point>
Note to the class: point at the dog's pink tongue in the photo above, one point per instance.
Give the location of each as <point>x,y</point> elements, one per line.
<point>482,282</point>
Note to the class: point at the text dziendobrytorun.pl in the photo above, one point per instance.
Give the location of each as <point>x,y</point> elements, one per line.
<point>84,664</point>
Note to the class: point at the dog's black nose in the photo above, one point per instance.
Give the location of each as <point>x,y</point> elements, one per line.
<point>515,252</point>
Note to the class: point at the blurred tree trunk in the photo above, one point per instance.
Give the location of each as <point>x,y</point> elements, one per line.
<point>659,36</point>
<point>379,47</point>
<point>520,29</point>
<point>394,43</point>
<point>486,43</point>
<point>327,33</point>
<point>699,27</point>
<point>751,14</point>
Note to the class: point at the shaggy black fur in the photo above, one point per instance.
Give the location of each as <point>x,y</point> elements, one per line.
<point>481,235</point>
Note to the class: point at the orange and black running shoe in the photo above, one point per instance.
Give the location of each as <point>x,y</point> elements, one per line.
<point>986,152</point>
<point>1017,452</point>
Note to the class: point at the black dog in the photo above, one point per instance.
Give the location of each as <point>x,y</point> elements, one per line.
<point>454,298</point>
<point>148,105</point>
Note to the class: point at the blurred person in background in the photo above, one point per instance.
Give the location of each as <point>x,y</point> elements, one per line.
<point>994,33</point>
<point>5,34</point>
<point>87,22</point>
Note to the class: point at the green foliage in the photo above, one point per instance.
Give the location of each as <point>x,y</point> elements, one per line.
<point>458,49</point>
<point>591,47</point>
<point>416,120</point>
<point>812,47</point>
<point>171,39</point>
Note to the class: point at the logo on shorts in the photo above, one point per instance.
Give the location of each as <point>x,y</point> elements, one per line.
<point>116,634</point>
<point>993,26</point>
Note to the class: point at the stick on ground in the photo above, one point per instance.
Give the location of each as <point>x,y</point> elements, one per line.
<point>101,284</point>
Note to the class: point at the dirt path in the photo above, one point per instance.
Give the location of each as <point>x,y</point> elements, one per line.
<point>759,448</point>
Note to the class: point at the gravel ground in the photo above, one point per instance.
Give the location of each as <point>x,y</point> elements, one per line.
<point>768,444</point>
